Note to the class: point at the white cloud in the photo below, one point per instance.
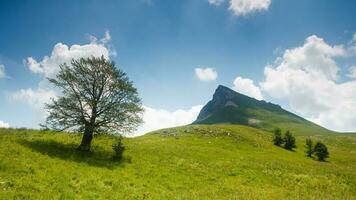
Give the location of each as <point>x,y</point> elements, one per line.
<point>247,87</point>
<point>216,2</point>
<point>35,98</point>
<point>352,72</point>
<point>206,74</point>
<point>4,124</point>
<point>61,53</point>
<point>244,7</point>
<point>106,38</point>
<point>352,46</point>
<point>307,78</point>
<point>155,119</point>
<point>353,49</point>
<point>2,71</point>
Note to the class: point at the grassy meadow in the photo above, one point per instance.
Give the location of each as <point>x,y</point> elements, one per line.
<point>190,162</point>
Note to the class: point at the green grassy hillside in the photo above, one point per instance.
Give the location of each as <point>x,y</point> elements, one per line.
<point>191,162</point>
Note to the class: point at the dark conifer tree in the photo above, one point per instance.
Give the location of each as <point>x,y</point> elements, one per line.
<point>309,147</point>
<point>277,139</point>
<point>321,151</point>
<point>289,141</point>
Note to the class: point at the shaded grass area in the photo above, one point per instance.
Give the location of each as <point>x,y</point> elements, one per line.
<point>98,157</point>
<point>192,162</point>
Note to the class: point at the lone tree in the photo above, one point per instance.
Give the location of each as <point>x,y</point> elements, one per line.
<point>321,151</point>
<point>96,98</point>
<point>309,147</point>
<point>289,141</point>
<point>277,139</point>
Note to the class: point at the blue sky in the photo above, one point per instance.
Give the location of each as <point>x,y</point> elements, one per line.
<point>160,44</point>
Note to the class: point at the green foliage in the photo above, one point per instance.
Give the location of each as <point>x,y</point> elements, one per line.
<point>118,148</point>
<point>277,139</point>
<point>96,97</point>
<point>190,162</point>
<point>321,151</point>
<point>309,147</point>
<point>289,141</point>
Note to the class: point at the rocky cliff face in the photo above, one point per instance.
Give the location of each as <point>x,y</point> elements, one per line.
<point>222,96</point>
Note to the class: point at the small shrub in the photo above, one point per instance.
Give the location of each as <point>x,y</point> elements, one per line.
<point>289,141</point>
<point>277,139</point>
<point>118,148</point>
<point>321,151</point>
<point>309,147</point>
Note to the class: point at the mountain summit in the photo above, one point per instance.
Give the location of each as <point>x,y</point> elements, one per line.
<point>230,107</point>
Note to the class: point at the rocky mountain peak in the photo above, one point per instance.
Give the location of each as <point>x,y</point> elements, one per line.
<point>229,106</point>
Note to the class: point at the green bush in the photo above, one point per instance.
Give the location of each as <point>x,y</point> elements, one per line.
<point>321,151</point>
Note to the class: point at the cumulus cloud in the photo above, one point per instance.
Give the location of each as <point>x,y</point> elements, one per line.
<point>155,119</point>
<point>352,47</point>
<point>244,7</point>
<point>352,72</point>
<point>206,74</point>
<point>4,124</point>
<point>36,98</point>
<point>62,53</point>
<point>247,87</point>
<point>307,78</point>
<point>2,71</point>
<point>216,2</point>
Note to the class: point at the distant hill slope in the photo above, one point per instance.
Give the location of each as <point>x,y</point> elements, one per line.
<point>189,162</point>
<point>230,107</point>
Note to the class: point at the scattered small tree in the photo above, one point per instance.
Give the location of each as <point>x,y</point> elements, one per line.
<point>309,147</point>
<point>321,151</point>
<point>96,97</point>
<point>289,141</point>
<point>118,148</point>
<point>277,139</point>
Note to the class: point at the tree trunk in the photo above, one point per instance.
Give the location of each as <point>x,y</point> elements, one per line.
<point>86,140</point>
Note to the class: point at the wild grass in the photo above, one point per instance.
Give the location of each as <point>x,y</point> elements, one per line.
<point>191,162</point>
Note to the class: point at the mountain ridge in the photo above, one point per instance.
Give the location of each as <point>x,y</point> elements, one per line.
<point>231,107</point>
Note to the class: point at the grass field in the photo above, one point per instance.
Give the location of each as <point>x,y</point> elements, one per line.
<point>190,162</point>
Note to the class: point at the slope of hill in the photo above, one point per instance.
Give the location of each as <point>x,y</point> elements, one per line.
<point>190,162</point>
<point>230,107</point>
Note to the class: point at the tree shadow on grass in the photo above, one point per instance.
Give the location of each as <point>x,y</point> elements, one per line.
<point>97,157</point>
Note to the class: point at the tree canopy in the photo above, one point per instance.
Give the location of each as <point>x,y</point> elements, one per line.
<point>96,97</point>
